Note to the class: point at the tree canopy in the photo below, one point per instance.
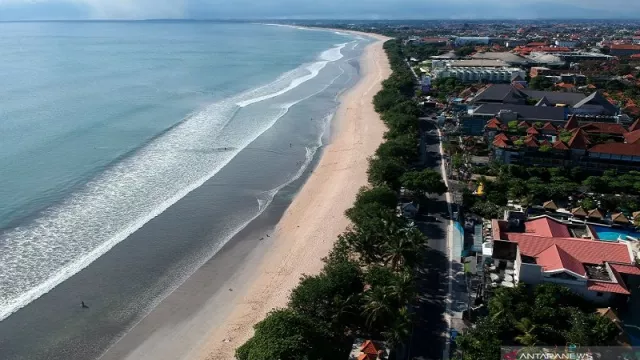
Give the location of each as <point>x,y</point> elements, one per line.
<point>546,314</point>
<point>424,182</point>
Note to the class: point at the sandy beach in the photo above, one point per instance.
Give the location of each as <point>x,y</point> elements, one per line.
<point>315,218</point>
<point>214,310</point>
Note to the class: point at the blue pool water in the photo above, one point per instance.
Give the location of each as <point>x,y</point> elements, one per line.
<point>613,234</point>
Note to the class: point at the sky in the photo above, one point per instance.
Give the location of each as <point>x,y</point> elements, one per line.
<point>315,9</point>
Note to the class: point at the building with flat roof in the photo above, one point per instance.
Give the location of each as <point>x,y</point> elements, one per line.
<point>479,74</point>
<point>471,40</point>
<point>505,56</point>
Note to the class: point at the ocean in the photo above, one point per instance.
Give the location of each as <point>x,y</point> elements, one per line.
<point>132,152</point>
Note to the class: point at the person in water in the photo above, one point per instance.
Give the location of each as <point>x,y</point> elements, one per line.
<point>84,306</point>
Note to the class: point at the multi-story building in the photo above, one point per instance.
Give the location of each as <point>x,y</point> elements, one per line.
<point>546,250</point>
<point>471,40</point>
<point>624,49</point>
<point>594,147</point>
<point>479,74</point>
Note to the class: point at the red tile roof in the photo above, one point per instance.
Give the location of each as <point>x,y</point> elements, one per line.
<point>364,356</point>
<point>532,131</point>
<point>501,143</point>
<point>626,269</point>
<point>555,258</point>
<point>501,136</point>
<point>559,145</point>
<point>604,128</point>
<point>523,124</point>
<point>632,137</point>
<point>546,226</point>
<point>572,123</point>
<point>545,143</point>
<point>586,251</point>
<point>579,140</point>
<point>612,287</point>
<point>530,141</point>
<point>494,124</point>
<point>617,149</point>
<point>625,47</point>
<point>549,127</point>
<point>368,347</point>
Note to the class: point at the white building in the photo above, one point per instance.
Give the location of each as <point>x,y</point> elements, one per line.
<point>479,74</point>
<point>566,43</point>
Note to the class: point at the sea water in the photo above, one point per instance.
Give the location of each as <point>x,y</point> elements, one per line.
<point>104,126</point>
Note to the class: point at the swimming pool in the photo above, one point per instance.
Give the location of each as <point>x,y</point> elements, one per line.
<point>612,234</point>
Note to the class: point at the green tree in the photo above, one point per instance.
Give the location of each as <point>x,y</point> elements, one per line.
<point>381,195</point>
<point>332,296</point>
<point>386,171</point>
<point>287,335</point>
<point>457,161</point>
<point>402,249</point>
<point>424,182</point>
<point>404,148</point>
<point>400,329</point>
<point>527,329</point>
<point>540,83</point>
<point>378,307</point>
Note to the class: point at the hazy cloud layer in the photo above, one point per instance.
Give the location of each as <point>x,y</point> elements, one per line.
<point>367,9</point>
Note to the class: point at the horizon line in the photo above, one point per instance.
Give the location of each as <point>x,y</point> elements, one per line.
<point>616,19</point>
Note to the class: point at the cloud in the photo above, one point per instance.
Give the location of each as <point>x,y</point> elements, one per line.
<point>381,9</point>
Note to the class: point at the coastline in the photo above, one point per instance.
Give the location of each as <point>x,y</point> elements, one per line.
<point>312,222</point>
<point>214,310</point>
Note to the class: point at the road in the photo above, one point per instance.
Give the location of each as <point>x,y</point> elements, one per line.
<point>428,340</point>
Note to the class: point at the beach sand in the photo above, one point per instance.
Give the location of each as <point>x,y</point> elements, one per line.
<point>315,218</point>
<point>214,310</point>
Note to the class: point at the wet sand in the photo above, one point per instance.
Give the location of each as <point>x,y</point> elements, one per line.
<point>315,218</point>
<point>213,312</point>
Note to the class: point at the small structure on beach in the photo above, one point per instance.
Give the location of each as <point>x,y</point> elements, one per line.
<point>364,349</point>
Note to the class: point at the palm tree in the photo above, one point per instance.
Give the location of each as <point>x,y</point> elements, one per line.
<point>402,248</point>
<point>527,327</point>
<point>403,289</point>
<point>400,331</point>
<point>377,305</point>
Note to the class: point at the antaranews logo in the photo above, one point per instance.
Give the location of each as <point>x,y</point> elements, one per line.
<point>539,353</point>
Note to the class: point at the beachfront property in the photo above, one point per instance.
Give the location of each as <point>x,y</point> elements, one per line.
<point>543,249</point>
<point>512,102</point>
<point>593,146</point>
<point>477,71</point>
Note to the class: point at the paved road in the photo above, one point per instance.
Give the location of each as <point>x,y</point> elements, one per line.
<point>427,340</point>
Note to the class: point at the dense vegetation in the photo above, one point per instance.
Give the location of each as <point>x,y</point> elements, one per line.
<point>547,314</point>
<point>534,185</point>
<point>367,283</point>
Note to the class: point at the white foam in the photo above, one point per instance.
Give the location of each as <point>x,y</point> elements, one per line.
<point>333,54</point>
<point>71,235</point>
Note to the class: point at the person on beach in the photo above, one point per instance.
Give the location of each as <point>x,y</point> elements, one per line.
<point>84,306</point>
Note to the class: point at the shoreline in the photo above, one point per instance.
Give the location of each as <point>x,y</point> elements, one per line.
<point>226,295</point>
<point>306,232</point>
